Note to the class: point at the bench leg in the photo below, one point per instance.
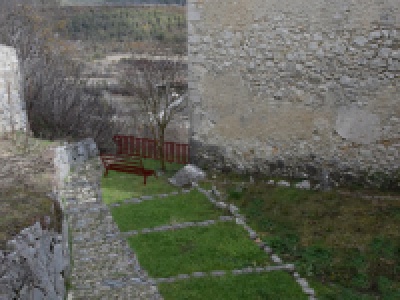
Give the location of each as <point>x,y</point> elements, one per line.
<point>145,179</point>
<point>106,173</point>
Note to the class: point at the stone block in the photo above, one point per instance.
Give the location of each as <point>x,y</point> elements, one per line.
<point>187,175</point>
<point>283,183</point>
<point>305,184</point>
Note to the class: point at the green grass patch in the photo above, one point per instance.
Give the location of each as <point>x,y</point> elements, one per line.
<point>118,186</point>
<point>191,207</point>
<point>344,243</point>
<point>331,291</point>
<point>223,246</point>
<point>272,285</point>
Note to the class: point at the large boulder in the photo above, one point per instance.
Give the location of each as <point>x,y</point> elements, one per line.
<point>187,175</point>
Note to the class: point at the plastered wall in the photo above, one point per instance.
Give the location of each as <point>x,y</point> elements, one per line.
<point>291,87</point>
<point>12,104</point>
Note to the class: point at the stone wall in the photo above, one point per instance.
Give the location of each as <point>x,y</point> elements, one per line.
<point>35,266</point>
<point>37,261</point>
<point>69,156</point>
<point>12,105</point>
<point>289,87</point>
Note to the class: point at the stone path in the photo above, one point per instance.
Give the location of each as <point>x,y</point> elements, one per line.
<point>104,267</point>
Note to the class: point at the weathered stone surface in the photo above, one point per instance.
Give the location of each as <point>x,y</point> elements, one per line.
<point>305,184</point>
<point>283,183</point>
<point>258,96</point>
<point>12,105</point>
<point>187,175</point>
<point>71,155</point>
<point>38,259</point>
<point>357,125</point>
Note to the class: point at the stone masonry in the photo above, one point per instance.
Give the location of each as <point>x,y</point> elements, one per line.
<point>12,106</point>
<point>287,87</point>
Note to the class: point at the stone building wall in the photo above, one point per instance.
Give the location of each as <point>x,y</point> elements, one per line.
<point>293,87</point>
<point>12,105</point>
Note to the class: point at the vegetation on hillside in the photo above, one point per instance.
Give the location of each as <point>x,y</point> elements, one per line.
<point>57,104</point>
<point>127,24</point>
<point>121,29</point>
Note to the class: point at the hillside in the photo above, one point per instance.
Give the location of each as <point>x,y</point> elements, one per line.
<point>121,29</point>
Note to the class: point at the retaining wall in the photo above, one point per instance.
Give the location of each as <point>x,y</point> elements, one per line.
<point>37,261</point>
<point>287,87</point>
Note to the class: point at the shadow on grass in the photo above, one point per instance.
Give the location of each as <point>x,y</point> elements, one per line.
<point>118,186</point>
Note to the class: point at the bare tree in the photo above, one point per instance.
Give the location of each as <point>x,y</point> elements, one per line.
<point>154,91</point>
<point>57,104</point>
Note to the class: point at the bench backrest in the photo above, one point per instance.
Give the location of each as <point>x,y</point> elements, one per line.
<point>131,160</point>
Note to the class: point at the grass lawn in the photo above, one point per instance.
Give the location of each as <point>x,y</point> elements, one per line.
<point>222,246</point>
<point>346,247</point>
<point>118,186</point>
<point>272,285</point>
<point>191,207</point>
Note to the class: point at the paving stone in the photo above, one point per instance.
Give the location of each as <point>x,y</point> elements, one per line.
<point>253,234</point>
<point>226,218</point>
<point>198,274</point>
<point>259,269</point>
<point>111,256</point>
<point>276,259</point>
<point>309,291</point>
<point>183,276</point>
<point>221,205</point>
<point>218,273</point>
<point>247,270</point>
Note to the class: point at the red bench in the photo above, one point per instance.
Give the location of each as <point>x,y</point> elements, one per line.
<point>126,163</point>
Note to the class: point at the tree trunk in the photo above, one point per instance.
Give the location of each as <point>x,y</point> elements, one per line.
<point>162,148</point>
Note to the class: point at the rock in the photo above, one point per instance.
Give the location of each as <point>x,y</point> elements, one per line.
<point>233,209</point>
<point>317,187</point>
<point>215,191</point>
<point>375,35</point>
<point>276,259</point>
<point>271,182</point>
<point>360,40</point>
<point>326,183</point>
<point>187,175</point>
<point>305,184</point>
<point>283,183</point>
<point>36,257</point>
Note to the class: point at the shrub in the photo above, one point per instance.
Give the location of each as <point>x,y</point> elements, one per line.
<point>316,260</point>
